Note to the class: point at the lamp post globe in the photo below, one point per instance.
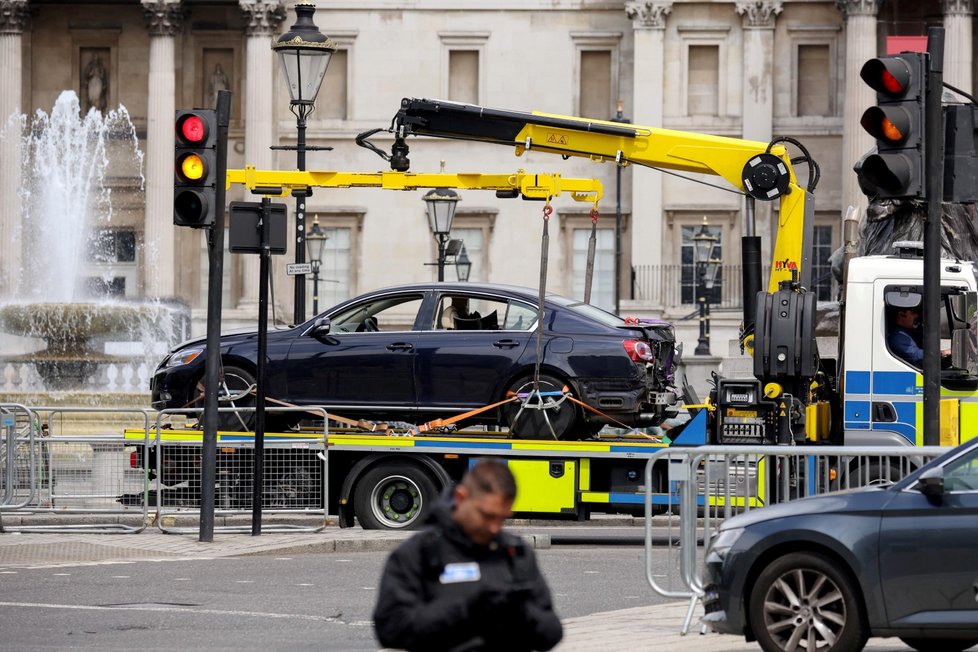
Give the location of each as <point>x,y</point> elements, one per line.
<point>305,53</point>
<point>463,266</point>
<point>440,204</point>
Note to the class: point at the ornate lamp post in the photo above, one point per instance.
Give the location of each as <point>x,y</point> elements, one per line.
<point>463,266</point>
<point>305,53</point>
<point>707,265</point>
<point>315,243</point>
<point>440,203</point>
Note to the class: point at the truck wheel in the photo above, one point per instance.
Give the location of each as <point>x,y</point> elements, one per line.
<point>531,423</point>
<point>394,497</point>
<point>803,599</point>
<point>883,472</point>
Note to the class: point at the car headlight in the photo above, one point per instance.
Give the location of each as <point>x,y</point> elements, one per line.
<point>722,542</point>
<point>183,357</point>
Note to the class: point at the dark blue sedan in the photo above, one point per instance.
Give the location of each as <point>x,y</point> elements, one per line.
<point>825,573</point>
<point>415,353</point>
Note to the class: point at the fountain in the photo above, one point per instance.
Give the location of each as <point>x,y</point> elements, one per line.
<point>66,200</point>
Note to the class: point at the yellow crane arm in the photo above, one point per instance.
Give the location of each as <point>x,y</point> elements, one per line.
<point>755,168</point>
<point>525,184</point>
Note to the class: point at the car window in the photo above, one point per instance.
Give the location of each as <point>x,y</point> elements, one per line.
<point>397,313</point>
<point>962,473</point>
<point>470,312</point>
<point>587,310</point>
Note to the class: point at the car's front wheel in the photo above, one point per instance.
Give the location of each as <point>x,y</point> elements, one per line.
<point>802,601</point>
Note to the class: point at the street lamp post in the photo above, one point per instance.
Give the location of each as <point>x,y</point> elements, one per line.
<point>619,117</point>
<point>704,244</point>
<point>440,203</point>
<point>463,266</point>
<point>305,53</point>
<point>316,242</point>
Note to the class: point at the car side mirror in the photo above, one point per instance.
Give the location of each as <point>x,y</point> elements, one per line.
<point>321,326</point>
<point>931,482</point>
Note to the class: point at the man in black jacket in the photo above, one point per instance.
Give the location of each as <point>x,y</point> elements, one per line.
<point>463,584</point>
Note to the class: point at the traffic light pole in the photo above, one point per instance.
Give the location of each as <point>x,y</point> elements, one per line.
<point>212,364</point>
<point>934,164</point>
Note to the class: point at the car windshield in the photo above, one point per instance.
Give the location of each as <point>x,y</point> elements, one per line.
<point>587,310</point>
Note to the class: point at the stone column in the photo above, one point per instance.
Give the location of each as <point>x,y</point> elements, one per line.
<point>649,23</point>
<point>957,44</point>
<point>860,16</point>
<point>14,20</point>
<point>163,20</point>
<point>264,18</point>
<point>758,95</point>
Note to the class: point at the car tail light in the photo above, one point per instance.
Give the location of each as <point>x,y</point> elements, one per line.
<point>134,460</point>
<point>638,350</point>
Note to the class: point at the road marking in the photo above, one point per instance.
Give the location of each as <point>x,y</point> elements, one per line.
<point>305,585</point>
<point>61,574</point>
<point>181,579</point>
<point>245,581</point>
<point>8,572</point>
<point>120,577</point>
<point>186,610</point>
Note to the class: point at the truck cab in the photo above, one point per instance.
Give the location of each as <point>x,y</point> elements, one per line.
<point>882,392</point>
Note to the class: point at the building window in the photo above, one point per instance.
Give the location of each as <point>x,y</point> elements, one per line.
<point>703,89</point>
<point>597,86</point>
<point>689,275</point>
<point>474,241</point>
<point>596,98</point>
<point>333,99</point>
<point>462,64</point>
<point>111,270</point>
<point>338,275</point>
<point>813,81</point>
<point>603,277</point>
<point>463,76</point>
<point>821,268</point>
<point>474,227</point>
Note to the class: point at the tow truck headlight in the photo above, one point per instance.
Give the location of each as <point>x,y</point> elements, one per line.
<point>721,544</point>
<point>183,357</point>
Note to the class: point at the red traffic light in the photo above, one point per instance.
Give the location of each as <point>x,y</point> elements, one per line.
<point>887,75</point>
<point>192,129</point>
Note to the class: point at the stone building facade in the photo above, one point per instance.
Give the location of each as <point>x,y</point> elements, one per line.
<point>752,69</point>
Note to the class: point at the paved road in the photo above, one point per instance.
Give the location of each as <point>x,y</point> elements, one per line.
<point>243,592</point>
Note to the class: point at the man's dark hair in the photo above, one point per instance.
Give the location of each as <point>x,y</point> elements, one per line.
<point>490,476</point>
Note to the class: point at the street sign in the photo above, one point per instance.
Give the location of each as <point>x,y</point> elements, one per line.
<point>295,269</point>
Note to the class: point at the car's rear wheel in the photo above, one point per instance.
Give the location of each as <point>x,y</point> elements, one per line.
<point>394,497</point>
<point>543,417</point>
<point>801,601</point>
<point>940,644</point>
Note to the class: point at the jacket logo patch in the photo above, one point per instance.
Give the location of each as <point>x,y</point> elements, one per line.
<point>460,572</point>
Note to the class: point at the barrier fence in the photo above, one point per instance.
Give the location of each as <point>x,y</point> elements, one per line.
<point>293,473</point>
<point>122,464</point>
<point>709,484</point>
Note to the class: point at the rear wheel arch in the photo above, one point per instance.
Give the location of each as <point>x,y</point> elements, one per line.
<point>365,464</point>
<point>396,492</point>
<point>796,546</point>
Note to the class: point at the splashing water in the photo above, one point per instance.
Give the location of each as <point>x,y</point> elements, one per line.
<point>65,196</point>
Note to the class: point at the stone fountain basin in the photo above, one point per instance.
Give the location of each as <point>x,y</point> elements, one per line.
<point>69,326</point>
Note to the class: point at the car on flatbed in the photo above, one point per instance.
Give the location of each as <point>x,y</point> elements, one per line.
<point>414,353</point>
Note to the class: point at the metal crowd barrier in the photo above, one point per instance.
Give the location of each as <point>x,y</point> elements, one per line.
<point>709,484</point>
<point>293,474</point>
<point>64,470</point>
<point>18,456</point>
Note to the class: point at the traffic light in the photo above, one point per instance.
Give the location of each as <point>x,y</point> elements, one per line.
<point>195,168</point>
<point>896,170</point>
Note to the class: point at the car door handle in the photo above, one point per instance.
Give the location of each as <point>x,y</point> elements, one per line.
<point>506,344</point>
<point>400,346</point>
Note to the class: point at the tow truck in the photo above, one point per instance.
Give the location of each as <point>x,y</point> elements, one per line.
<point>389,480</point>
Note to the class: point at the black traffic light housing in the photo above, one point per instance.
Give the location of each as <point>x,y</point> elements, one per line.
<point>195,168</point>
<point>960,153</point>
<point>896,170</point>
